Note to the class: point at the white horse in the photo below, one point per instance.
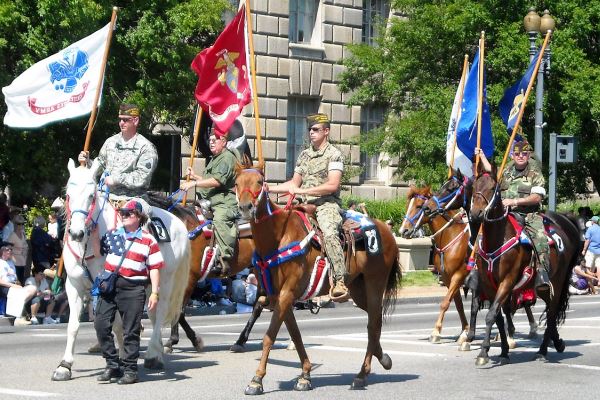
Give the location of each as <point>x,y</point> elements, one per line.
<point>86,207</point>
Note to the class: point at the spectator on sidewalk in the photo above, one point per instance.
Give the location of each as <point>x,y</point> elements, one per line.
<point>42,244</point>
<point>9,281</point>
<point>43,301</point>
<point>591,246</point>
<point>20,246</point>
<point>358,207</point>
<point>4,215</point>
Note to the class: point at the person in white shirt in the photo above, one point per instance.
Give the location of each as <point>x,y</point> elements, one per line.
<point>9,281</point>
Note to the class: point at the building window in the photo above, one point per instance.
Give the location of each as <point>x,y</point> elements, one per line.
<point>297,129</point>
<point>370,118</point>
<point>303,17</point>
<point>374,13</point>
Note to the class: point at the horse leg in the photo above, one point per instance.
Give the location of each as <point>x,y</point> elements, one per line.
<point>504,346</point>
<point>238,347</point>
<point>191,335</point>
<point>491,316</point>
<point>461,310</point>
<point>75,298</point>
<point>286,299</point>
<point>174,338</point>
<point>466,344</point>
<point>303,383</point>
<point>533,326</point>
<point>374,311</point>
<point>154,352</point>
<point>435,336</point>
<point>510,326</point>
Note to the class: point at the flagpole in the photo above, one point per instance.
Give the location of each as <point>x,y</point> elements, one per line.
<point>254,88</point>
<point>522,108</point>
<point>197,122</point>
<point>480,96</point>
<point>92,119</point>
<point>459,112</point>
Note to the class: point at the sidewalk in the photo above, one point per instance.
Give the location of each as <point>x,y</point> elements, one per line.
<point>421,294</point>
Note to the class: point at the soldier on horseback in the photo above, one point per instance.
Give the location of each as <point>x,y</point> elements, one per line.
<point>317,177</point>
<point>523,190</point>
<point>217,186</point>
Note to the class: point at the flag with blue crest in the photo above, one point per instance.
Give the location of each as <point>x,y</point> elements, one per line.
<point>466,133</point>
<point>512,101</point>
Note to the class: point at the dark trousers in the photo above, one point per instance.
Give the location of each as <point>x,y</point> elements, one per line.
<point>128,300</point>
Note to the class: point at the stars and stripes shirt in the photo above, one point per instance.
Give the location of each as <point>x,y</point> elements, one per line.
<point>143,253</point>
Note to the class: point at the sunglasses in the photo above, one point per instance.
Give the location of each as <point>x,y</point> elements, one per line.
<point>126,214</point>
<point>521,153</point>
<point>126,119</point>
<point>314,129</point>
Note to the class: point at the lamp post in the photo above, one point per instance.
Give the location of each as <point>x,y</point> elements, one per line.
<point>534,25</point>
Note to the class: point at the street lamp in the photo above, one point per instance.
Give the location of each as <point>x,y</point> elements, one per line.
<point>534,25</point>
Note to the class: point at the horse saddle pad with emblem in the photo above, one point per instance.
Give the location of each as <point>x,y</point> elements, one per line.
<point>554,239</point>
<point>362,230</point>
<point>159,230</point>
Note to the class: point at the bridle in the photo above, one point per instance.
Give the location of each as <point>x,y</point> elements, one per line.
<point>489,202</point>
<point>418,216</point>
<point>445,202</point>
<point>258,195</point>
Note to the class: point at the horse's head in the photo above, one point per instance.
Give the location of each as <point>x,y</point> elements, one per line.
<point>415,217</point>
<point>486,194</point>
<point>453,194</point>
<point>81,198</point>
<point>249,188</point>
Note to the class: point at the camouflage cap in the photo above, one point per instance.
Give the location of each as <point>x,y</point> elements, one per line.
<point>129,109</point>
<point>319,118</point>
<point>522,146</point>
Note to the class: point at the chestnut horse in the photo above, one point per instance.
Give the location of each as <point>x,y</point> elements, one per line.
<point>502,261</point>
<point>451,242</point>
<point>372,279</point>
<point>455,193</point>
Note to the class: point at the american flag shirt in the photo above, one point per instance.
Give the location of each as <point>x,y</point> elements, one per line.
<point>143,254</point>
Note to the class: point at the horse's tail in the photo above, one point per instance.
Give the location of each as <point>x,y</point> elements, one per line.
<point>391,290</point>
<point>180,280</point>
<point>568,223</point>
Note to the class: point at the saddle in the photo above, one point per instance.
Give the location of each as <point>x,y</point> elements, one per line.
<point>518,222</point>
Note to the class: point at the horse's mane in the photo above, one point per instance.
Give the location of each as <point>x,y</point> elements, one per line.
<point>413,191</point>
<point>246,163</point>
<point>159,200</point>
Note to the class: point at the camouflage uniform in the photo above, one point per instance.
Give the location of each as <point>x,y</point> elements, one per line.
<point>520,184</point>
<point>223,201</point>
<point>130,164</point>
<point>314,166</point>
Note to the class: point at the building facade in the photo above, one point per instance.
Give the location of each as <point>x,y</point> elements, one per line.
<point>298,46</point>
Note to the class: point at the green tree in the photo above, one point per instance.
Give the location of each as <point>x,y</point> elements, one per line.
<point>153,46</point>
<point>415,68</point>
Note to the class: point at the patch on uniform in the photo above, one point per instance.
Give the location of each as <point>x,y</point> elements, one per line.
<point>159,230</point>
<point>149,165</point>
<point>373,241</point>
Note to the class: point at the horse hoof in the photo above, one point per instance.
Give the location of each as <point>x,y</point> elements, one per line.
<point>255,387</point>
<point>461,339</point>
<point>504,360</point>
<point>559,345</point>
<point>465,346</point>
<point>303,385</point>
<point>434,339</point>
<point>291,346</point>
<point>540,357</point>
<point>237,348</point>
<point>512,344</point>
<point>199,346</point>
<point>61,375</point>
<point>153,363</point>
<point>358,383</point>
<point>386,361</point>
<point>167,350</point>
<point>481,361</point>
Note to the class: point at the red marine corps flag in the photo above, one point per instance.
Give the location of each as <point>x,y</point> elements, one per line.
<point>223,87</point>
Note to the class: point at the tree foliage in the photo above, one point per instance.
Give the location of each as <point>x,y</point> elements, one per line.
<point>152,48</point>
<point>415,68</point>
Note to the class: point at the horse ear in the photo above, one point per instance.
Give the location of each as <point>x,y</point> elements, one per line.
<point>458,174</point>
<point>95,167</point>
<point>71,165</point>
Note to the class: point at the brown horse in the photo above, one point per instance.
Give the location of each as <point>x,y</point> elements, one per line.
<point>199,242</point>
<point>502,261</point>
<point>451,242</point>
<point>372,279</point>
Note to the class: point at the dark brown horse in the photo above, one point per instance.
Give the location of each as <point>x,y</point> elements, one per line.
<point>502,261</point>
<point>372,279</point>
<point>199,242</point>
<point>451,241</point>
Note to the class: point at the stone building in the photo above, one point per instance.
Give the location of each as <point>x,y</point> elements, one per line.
<point>298,46</point>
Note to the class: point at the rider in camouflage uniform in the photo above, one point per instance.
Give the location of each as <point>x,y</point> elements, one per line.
<point>317,177</point>
<point>128,157</point>
<point>217,186</point>
<point>523,190</point>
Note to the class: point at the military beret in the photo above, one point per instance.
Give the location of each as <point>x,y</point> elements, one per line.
<point>129,109</point>
<point>319,118</point>
<point>522,146</point>
<point>218,133</point>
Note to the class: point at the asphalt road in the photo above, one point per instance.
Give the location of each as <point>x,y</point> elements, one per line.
<point>336,341</point>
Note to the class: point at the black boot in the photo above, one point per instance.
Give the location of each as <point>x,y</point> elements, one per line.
<point>128,378</point>
<point>543,286</point>
<point>221,267</point>
<point>108,374</point>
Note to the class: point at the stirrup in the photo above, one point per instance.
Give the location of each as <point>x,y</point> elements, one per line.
<point>341,298</point>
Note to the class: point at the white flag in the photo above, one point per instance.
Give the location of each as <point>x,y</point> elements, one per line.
<point>461,161</point>
<point>61,86</point>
